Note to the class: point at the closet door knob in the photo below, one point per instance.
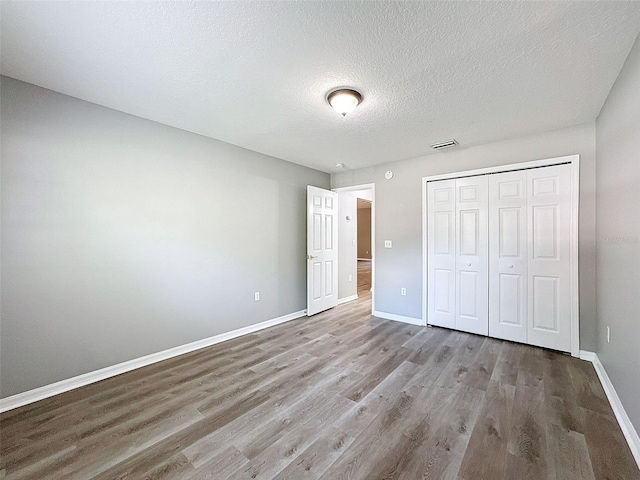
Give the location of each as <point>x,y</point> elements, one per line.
<point>468,264</point>
<point>510,266</point>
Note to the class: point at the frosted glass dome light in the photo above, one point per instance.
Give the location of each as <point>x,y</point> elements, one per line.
<point>344,100</point>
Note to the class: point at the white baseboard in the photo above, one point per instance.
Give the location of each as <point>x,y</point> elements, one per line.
<point>588,356</point>
<point>630,433</point>
<point>347,299</point>
<point>30,396</point>
<point>399,318</point>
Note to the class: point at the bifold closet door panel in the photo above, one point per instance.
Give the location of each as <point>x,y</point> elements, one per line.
<point>471,254</point>
<point>499,255</point>
<point>441,253</point>
<point>549,250</point>
<point>508,256</point>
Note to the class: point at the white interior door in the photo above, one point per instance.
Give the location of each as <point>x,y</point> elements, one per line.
<point>471,235</point>
<point>441,251</point>
<point>508,256</point>
<point>549,251</point>
<point>322,249</point>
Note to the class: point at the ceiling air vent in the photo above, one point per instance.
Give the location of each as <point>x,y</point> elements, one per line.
<point>447,144</point>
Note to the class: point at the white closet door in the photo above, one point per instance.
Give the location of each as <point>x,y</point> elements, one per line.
<point>549,275</point>
<point>471,255</point>
<point>508,256</point>
<point>441,253</point>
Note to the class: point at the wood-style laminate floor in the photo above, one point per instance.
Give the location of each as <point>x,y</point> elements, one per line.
<point>335,396</point>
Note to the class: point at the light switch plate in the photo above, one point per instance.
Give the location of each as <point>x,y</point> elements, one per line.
<point>387,244</point>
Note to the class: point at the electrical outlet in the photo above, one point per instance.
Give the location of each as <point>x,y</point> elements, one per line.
<point>353,242</point>
<point>388,244</point>
<point>608,335</point>
<point>256,296</point>
<point>403,291</point>
<point>350,278</point>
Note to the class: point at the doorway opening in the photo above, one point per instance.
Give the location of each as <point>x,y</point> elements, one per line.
<point>364,247</point>
<point>356,244</point>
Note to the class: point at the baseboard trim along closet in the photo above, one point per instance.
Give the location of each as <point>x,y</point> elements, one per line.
<point>347,299</point>
<point>62,386</point>
<point>399,318</point>
<point>626,426</point>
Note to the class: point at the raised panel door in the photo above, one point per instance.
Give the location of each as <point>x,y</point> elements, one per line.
<point>471,254</point>
<point>549,274</point>
<point>322,255</point>
<point>441,253</point>
<point>508,256</point>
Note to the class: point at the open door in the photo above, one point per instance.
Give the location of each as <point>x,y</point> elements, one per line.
<point>322,250</point>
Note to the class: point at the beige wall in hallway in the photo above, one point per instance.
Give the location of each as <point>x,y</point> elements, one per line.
<point>364,229</point>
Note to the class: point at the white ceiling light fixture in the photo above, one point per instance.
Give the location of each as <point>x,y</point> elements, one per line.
<point>344,100</point>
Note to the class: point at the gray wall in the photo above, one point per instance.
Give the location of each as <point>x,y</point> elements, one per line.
<point>123,237</point>
<point>618,247</point>
<point>347,251</point>
<point>398,213</point>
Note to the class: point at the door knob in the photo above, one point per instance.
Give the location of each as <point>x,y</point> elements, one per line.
<point>468,264</point>
<point>510,266</point>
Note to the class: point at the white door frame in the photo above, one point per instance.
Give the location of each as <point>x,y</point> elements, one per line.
<point>574,160</point>
<point>372,187</point>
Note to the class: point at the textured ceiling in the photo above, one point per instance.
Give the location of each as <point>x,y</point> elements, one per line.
<point>256,73</point>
